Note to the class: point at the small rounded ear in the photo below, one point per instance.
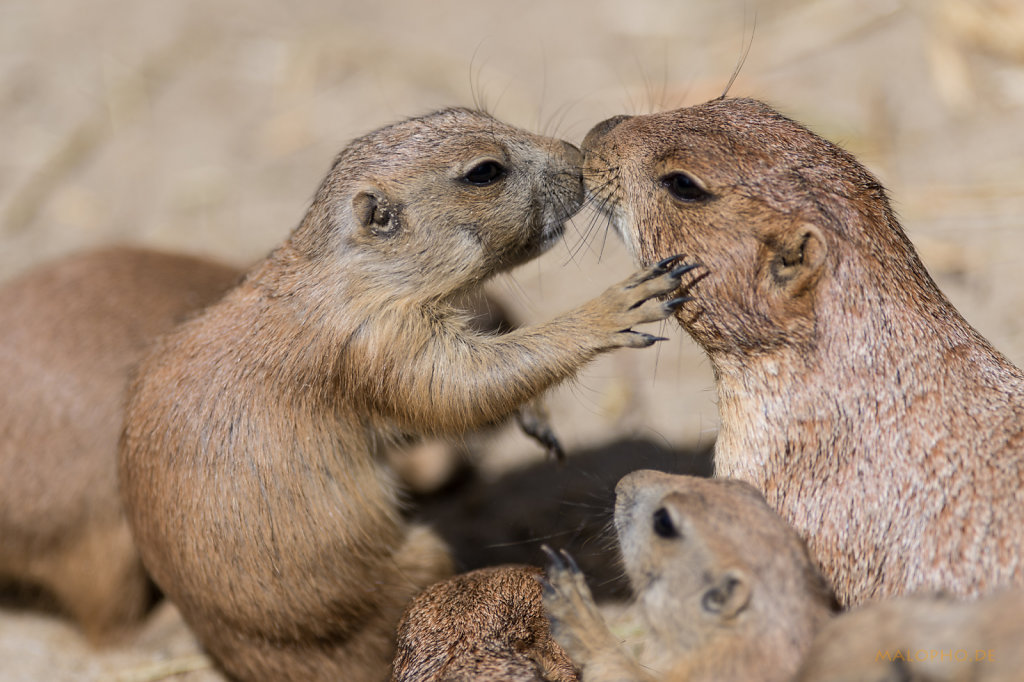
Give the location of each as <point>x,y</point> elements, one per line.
<point>797,258</point>
<point>728,595</point>
<point>375,213</point>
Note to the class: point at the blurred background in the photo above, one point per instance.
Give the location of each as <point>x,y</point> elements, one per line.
<point>205,127</point>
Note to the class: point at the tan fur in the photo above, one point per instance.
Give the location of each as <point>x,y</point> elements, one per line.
<point>249,459</point>
<point>425,465</point>
<point>725,588</point>
<point>69,333</point>
<point>851,392</point>
<point>923,639</point>
<point>487,624</point>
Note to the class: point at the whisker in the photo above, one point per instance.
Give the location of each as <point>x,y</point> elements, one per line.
<point>743,56</point>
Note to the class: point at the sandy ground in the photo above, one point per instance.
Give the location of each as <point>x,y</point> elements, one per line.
<point>205,127</point>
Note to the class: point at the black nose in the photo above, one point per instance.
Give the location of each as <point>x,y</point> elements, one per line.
<point>602,129</point>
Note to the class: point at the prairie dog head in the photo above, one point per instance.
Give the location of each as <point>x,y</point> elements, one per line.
<point>775,213</point>
<point>708,558</point>
<point>434,205</point>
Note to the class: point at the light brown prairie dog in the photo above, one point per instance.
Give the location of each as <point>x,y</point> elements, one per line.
<point>871,415</point>
<point>249,462</point>
<point>923,639</point>
<point>488,624</point>
<point>725,588</point>
<point>70,331</point>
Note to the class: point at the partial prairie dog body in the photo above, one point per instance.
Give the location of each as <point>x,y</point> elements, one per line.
<point>923,638</point>
<point>725,588</point>
<point>249,462</point>
<point>70,331</point>
<point>871,415</point>
<point>488,624</point>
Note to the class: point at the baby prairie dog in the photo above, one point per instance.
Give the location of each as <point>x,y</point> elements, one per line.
<point>725,588</point>
<point>70,331</point>
<point>488,624</point>
<point>249,463</point>
<point>923,638</point>
<point>851,393</point>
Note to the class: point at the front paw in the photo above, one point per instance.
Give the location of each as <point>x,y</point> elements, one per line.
<point>636,300</point>
<point>576,623</point>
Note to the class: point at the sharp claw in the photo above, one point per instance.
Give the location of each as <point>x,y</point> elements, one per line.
<point>657,270</point>
<point>573,566</point>
<point>543,435</point>
<point>554,559</point>
<point>677,303</point>
<point>683,269</point>
<point>647,339</point>
<point>665,262</point>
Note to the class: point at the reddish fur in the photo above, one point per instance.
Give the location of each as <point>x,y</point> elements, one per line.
<point>488,624</point>
<point>851,392</point>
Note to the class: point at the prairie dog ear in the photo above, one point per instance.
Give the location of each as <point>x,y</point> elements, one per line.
<point>729,595</point>
<point>797,258</point>
<point>375,214</point>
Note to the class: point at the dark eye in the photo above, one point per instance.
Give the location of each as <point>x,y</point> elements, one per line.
<point>683,187</point>
<point>663,526</point>
<point>484,173</point>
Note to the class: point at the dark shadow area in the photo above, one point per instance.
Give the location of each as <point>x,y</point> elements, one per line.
<point>16,596</point>
<point>566,506</point>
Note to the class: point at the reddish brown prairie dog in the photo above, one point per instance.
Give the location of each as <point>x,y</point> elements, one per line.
<point>249,460</point>
<point>725,588</point>
<point>488,624</point>
<point>69,333</point>
<point>851,392</point>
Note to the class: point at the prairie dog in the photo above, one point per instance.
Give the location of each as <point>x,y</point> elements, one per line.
<point>249,461</point>
<point>70,331</point>
<point>488,624</point>
<point>725,588</point>
<point>871,415</point>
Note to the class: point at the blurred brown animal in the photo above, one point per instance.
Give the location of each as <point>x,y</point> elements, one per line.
<point>725,588</point>
<point>69,333</point>
<point>871,415</point>
<point>488,624</point>
<point>923,639</point>
<point>249,461</point>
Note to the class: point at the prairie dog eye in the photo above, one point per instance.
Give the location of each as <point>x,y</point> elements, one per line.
<point>484,173</point>
<point>663,524</point>
<point>684,188</point>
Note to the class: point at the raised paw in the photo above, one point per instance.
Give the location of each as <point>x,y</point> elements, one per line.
<point>576,623</point>
<point>639,299</point>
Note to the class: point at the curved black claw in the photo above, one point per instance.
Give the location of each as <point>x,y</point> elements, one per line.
<point>646,340</point>
<point>677,303</point>
<point>553,559</point>
<point>664,263</point>
<point>573,566</point>
<point>561,561</point>
<point>536,427</point>
<point>658,269</point>
<point>683,269</point>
